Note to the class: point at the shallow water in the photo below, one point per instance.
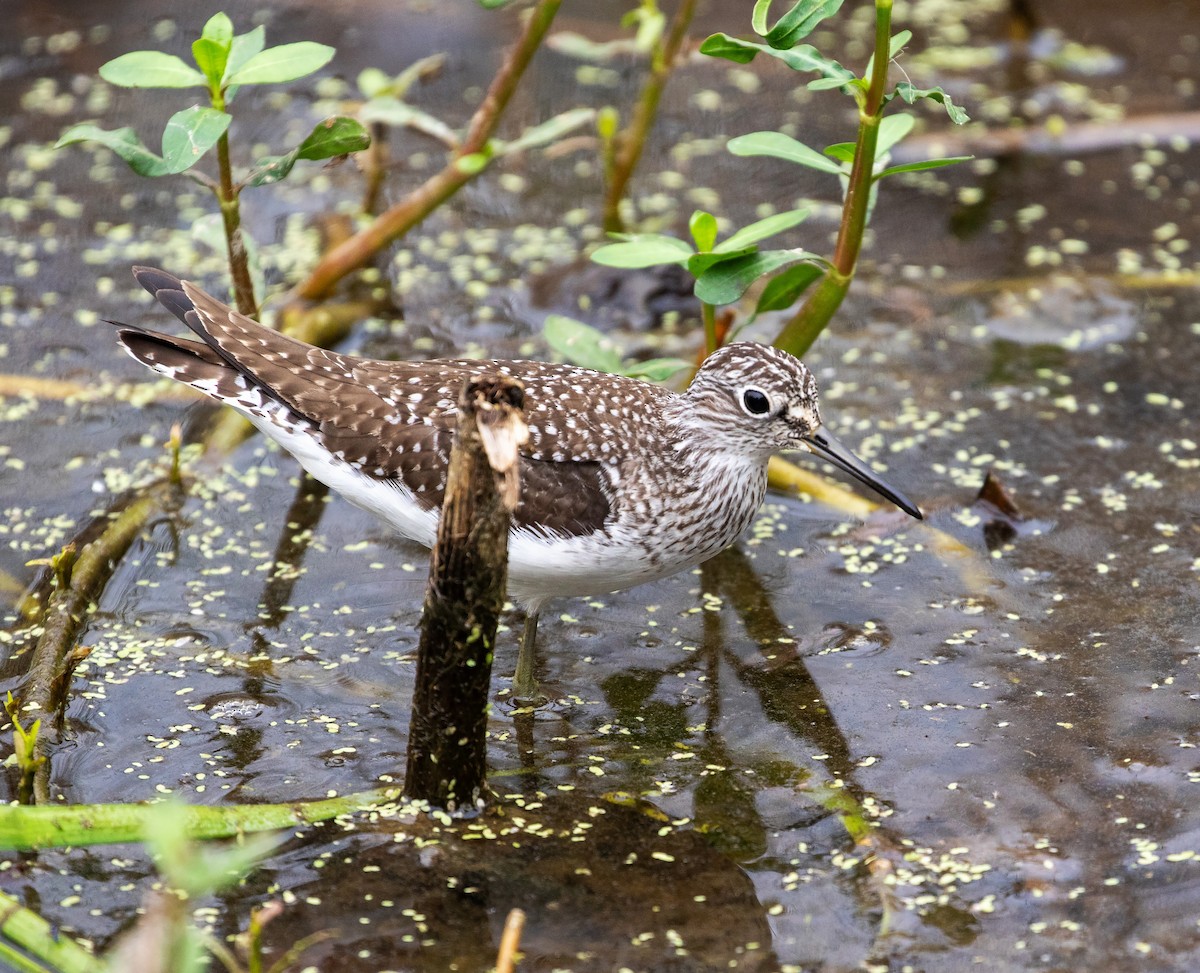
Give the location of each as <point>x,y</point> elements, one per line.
<point>1017,713</point>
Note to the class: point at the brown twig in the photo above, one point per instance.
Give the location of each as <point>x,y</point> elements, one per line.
<point>397,220</point>
<point>510,941</point>
<point>630,142</point>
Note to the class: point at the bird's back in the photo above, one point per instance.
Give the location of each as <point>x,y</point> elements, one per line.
<point>380,432</point>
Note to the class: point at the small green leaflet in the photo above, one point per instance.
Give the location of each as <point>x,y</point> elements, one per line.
<point>783,289</point>
<point>794,25</point>
<point>727,281</point>
<point>189,134</point>
<point>287,62</point>
<point>803,57</point>
<point>150,69</point>
<point>927,164</point>
<point>763,228</point>
<point>643,250</point>
<point>780,146</point>
<point>583,345</point>
<point>703,227</point>
<point>333,137</point>
<point>911,93</point>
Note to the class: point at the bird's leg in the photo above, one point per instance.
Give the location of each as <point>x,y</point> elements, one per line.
<point>525,686</point>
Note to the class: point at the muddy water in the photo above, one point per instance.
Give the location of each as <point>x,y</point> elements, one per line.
<point>1010,698</point>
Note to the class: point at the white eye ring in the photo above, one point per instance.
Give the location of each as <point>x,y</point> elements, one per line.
<point>755,402</point>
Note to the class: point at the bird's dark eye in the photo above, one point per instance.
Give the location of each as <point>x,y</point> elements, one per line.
<point>756,402</point>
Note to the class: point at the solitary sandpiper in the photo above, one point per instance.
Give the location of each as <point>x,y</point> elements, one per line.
<point>621,481</point>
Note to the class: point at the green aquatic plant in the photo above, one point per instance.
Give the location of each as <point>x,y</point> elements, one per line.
<point>724,271</point>
<point>224,63</point>
<point>25,755</point>
<point>852,162</point>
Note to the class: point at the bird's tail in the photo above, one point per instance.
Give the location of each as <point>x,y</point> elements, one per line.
<point>199,364</point>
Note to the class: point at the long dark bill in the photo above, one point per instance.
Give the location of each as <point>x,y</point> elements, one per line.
<point>828,448</point>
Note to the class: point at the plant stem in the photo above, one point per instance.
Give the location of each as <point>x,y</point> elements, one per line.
<point>803,328</point>
<point>630,142</point>
<point>394,222</point>
<point>34,934</point>
<point>709,314</point>
<point>806,325</point>
<point>85,825</point>
<point>231,218</point>
<point>375,161</point>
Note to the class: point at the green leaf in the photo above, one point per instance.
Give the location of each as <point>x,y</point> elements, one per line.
<point>655,369</point>
<point>548,131</point>
<point>762,229</point>
<point>287,62</point>
<point>211,58</point>
<point>804,57</point>
<point>219,30</point>
<point>374,83</point>
<point>730,48</point>
<point>123,141</point>
<point>892,128</point>
<point>651,25</point>
<point>780,146</point>
<point>898,42</point>
<point>333,137</point>
<point>150,69</point>
<point>782,290</point>
<point>191,866</point>
<point>643,250</point>
<point>911,93</point>
<point>758,18</point>
<point>493,4</point>
<point>703,227</point>
<point>825,84</point>
<point>338,135</point>
<point>387,110</point>
<point>927,164</point>
<point>842,151</point>
<point>242,49</point>
<point>189,134</point>
<point>799,22</point>
<point>698,263</point>
<point>727,281</point>
<point>581,344</point>
<point>573,45</point>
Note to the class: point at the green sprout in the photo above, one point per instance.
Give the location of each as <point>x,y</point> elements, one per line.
<point>224,62</point>
<point>24,755</point>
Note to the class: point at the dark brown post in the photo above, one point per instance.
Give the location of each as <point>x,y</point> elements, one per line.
<point>464,598</point>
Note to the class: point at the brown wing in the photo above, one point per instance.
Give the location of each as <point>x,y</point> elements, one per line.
<point>392,420</point>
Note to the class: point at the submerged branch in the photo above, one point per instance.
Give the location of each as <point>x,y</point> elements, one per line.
<point>42,690</point>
